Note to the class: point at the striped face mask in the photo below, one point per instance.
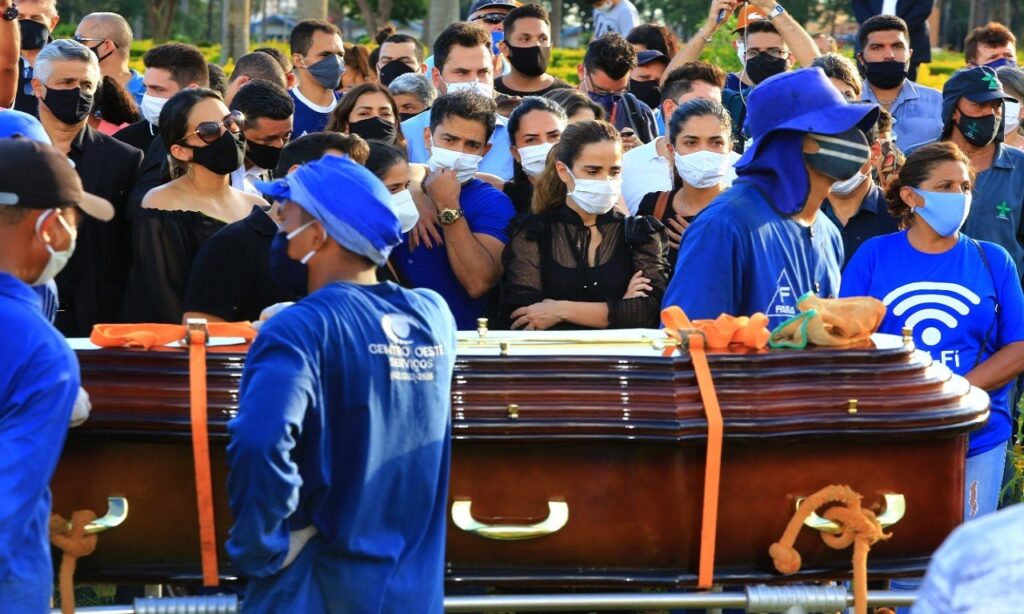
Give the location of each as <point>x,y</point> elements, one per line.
<point>839,156</point>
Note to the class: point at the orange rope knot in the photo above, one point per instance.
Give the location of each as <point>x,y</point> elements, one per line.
<point>859,527</point>
<point>74,543</point>
<point>720,333</point>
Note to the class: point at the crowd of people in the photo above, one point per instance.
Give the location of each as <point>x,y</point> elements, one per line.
<point>505,192</point>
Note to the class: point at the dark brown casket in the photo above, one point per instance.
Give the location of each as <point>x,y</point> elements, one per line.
<point>575,464</point>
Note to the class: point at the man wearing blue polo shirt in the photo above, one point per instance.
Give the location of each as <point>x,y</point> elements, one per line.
<point>39,381</point>
<point>885,58</point>
<point>972,114</point>
<point>473,216</point>
<point>463,62</point>
<point>762,244</point>
<point>319,59</point>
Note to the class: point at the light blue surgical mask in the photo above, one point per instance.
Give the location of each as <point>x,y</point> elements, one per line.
<point>945,212</point>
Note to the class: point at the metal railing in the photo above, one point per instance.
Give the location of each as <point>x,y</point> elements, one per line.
<point>792,599</point>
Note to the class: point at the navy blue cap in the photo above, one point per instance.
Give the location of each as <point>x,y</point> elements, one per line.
<point>645,57</point>
<point>975,83</point>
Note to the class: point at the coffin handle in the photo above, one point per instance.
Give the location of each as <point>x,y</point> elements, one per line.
<point>895,508</point>
<point>558,517</point>
<point>117,512</point>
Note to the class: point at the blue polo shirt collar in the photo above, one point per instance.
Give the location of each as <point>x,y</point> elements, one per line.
<point>13,288</point>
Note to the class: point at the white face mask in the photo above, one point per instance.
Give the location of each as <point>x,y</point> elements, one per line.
<point>1012,114</point>
<point>465,165</point>
<point>405,209</point>
<point>58,260</point>
<point>702,169</point>
<point>534,158</point>
<point>484,89</point>
<point>741,51</point>
<point>151,107</point>
<point>845,188</point>
<point>596,196</point>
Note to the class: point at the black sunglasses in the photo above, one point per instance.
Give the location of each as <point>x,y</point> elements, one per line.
<point>491,18</point>
<point>209,132</point>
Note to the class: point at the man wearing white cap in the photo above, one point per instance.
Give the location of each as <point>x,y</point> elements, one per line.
<point>339,455</point>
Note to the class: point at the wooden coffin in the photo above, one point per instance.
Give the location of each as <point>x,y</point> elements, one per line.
<point>576,464</point>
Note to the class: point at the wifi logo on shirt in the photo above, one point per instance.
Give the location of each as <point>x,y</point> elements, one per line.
<point>935,305</point>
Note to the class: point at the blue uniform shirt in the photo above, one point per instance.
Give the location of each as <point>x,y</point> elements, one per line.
<point>871,220</point>
<point>38,385</point>
<point>949,301</point>
<point>498,160</point>
<point>740,257</point>
<point>996,205</point>
<point>916,114</point>
<point>136,87</point>
<point>344,423</point>
<point>309,117</point>
<point>487,211</point>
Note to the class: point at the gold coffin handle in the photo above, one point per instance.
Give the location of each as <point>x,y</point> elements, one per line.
<point>895,509</point>
<point>117,512</point>
<point>558,517</point>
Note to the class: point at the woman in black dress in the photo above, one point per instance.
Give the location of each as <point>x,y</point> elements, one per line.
<point>533,128</point>
<point>577,262</point>
<point>205,145</point>
<point>700,143</point>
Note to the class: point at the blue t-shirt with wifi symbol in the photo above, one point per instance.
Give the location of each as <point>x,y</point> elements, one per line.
<point>949,300</point>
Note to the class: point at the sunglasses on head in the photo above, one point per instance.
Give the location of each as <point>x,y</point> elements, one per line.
<point>209,132</point>
<point>491,18</point>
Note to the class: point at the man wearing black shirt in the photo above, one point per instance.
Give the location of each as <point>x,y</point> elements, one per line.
<point>90,286</point>
<point>858,206</point>
<point>230,278</point>
<point>527,47</point>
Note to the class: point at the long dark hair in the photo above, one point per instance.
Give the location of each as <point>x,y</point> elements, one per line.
<point>174,122</point>
<point>339,116</point>
<point>114,104</point>
<point>549,191</point>
<point>916,170</point>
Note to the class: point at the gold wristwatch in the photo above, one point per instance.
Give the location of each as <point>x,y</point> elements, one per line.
<point>448,216</point>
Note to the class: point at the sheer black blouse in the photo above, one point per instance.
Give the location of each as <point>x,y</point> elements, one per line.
<point>164,245</point>
<point>546,258</point>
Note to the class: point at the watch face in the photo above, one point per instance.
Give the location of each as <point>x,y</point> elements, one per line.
<point>11,13</point>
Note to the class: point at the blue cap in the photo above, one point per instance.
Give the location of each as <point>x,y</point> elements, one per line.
<point>802,100</point>
<point>349,201</point>
<point>647,56</point>
<point>976,83</point>
<point>16,123</point>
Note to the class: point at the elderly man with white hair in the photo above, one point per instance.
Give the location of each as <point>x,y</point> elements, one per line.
<point>109,36</point>
<point>66,76</point>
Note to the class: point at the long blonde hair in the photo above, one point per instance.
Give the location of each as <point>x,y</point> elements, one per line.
<point>549,191</point>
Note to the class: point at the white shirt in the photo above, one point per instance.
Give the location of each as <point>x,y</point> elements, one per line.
<point>888,7</point>
<point>245,178</point>
<point>645,171</point>
<point>622,18</point>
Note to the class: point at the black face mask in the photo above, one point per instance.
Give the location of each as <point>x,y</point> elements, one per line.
<point>223,156</point>
<point>375,128</point>
<point>531,61</point>
<point>839,156</point>
<point>288,274</point>
<point>68,106</point>
<point>405,116</point>
<point>100,58</point>
<point>392,70</point>
<point>978,131</point>
<point>764,66</point>
<point>263,156</point>
<point>34,35</point>
<point>647,91</point>
<point>885,75</point>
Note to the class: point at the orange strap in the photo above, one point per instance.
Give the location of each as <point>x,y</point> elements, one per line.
<point>152,335</point>
<point>201,456</point>
<point>712,462</point>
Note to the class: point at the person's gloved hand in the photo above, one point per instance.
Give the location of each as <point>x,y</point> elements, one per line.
<point>81,409</point>
<point>270,312</point>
